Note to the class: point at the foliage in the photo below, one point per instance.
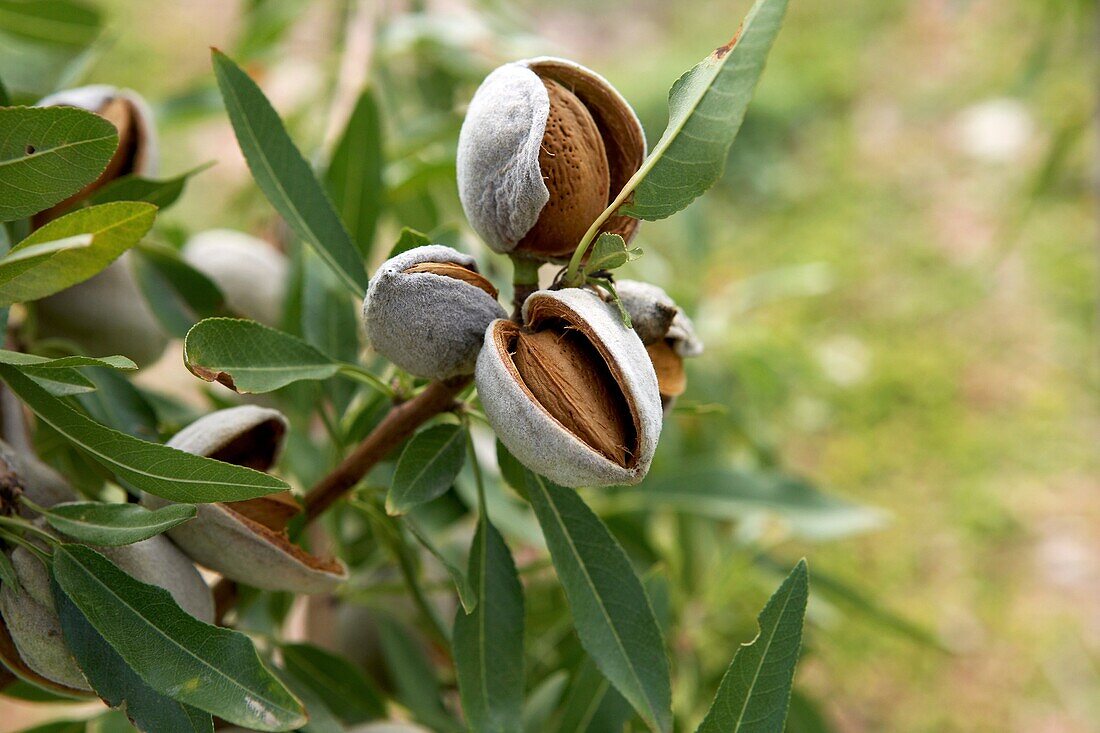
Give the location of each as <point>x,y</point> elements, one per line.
<point>517,655</point>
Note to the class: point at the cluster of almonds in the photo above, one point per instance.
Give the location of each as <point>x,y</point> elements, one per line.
<point>572,392</point>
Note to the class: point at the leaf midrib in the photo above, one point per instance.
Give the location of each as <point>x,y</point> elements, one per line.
<point>599,600</point>
<point>124,604</point>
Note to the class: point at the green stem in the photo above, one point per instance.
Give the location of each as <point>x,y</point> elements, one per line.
<point>34,549</point>
<point>394,537</point>
<point>26,526</point>
<point>358,373</point>
<point>525,280</point>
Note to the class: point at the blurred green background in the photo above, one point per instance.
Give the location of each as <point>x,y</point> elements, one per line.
<point>896,282</point>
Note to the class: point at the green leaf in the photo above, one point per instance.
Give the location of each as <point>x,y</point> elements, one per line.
<point>544,700</point>
<point>45,249</point>
<point>205,666</point>
<point>42,363</point>
<point>111,525</point>
<point>724,493</point>
<point>756,688</point>
<point>284,176</point>
<point>354,175</point>
<point>592,705</point>
<point>488,642</point>
<point>50,22</point>
<point>49,153</point>
<point>608,253</point>
<point>705,109</point>
<point>115,228</point>
<point>115,681</point>
<point>59,376</point>
<point>611,612</point>
<point>427,467</point>
<point>409,239</point>
<point>344,689</point>
<point>321,719</point>
<point>329,321</point>
<point>7,572</point>
<point>162,193</point>
<point>466,594</point>
<point>249,357</point>
<point>178,294</point>
<point>416,685</point>
<point>160,470</point>
<point>118,404</point>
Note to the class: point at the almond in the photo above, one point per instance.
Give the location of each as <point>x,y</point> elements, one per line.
<point>568,378</point>
<point>458,272</point>
<point>573,162</point>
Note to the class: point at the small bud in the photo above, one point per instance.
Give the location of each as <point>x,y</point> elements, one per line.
<point>666,331</point>
<point>247,541</point>
<point>571,393</point>
<point>545,147</point>
<point>250,272</point>
<point>426,311</point>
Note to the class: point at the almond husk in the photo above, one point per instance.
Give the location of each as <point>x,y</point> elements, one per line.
<point>669,366</point>
<point>574,166</point>
<point>567,377</point>
<point>456,271</point>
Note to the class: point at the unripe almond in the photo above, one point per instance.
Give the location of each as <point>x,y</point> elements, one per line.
<point>247,541</point>
<point>426,311</point>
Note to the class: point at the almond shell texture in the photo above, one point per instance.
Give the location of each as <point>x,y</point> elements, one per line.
<point>430,325</point>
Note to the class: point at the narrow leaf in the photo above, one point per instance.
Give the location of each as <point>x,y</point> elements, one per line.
<point>42,363</point>
<point>354,175</point>
<point>427,467</point>
<point>162,193</point>
<point>115,228</point>
<point>725,493</point>
<point>756,689</point>
<point>284,176</point>
<point>44,249</point>
<point>50,22</point>
<point>249,357</point>
<point>160,470</point>
<point>466,595</point>
<point>705,109</point>
<point>592,704</point>
<point>611,612</point>
<point>409,239</point>
<point>49,153</point>
<point>347,692</point>
<point>488,642</point>
<point>178,294</point>
<point>208,667</point>
<point>117,684</point>
<point>111,525</point>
